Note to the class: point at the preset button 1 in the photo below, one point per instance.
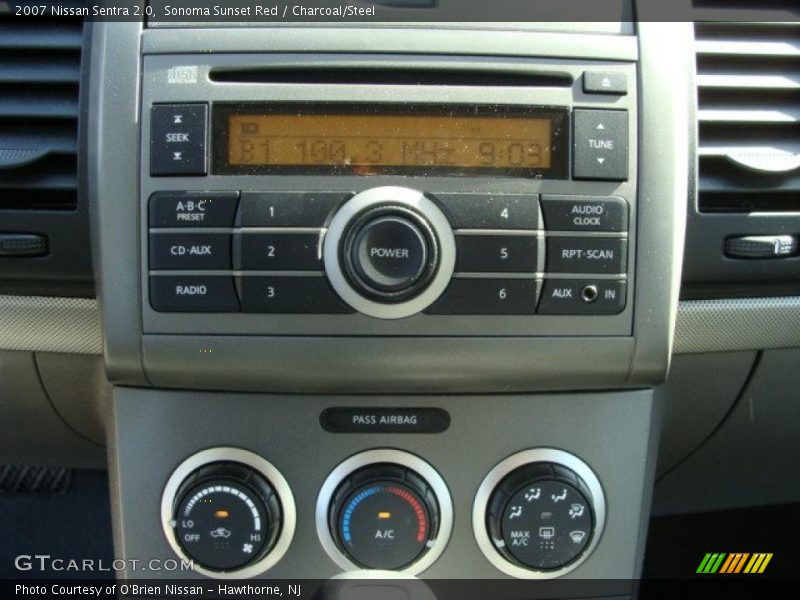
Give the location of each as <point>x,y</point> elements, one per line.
<point>289,209</point>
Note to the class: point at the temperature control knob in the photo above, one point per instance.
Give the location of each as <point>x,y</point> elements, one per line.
<point>541,516</point>
<point>384,516</point>
<point>226,516</point>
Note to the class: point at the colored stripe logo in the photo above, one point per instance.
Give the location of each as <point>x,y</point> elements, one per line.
<point>734,563</point>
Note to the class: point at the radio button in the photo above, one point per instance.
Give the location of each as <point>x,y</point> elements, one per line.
<point>290,295</point>
<point>193,293</point>
<point>586,255</point>
<point>585,213</point>
<point>178,139</point>
<point>193,209</point>
<point>496,253</point>
<point>490,211</point>
<point>582,297</point>
<point>289,209</point>
<point>192,251</point>
<point>279,251</point>
<point>600,147</point>
<point>487,297</point>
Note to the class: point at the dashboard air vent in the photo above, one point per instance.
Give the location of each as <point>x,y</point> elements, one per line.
<point>40,71</point>
<point>748,85</point>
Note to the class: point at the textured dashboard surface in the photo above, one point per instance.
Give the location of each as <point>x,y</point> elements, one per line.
<point>737,324</point>
<point>72,325</point>
<point>41,324</point>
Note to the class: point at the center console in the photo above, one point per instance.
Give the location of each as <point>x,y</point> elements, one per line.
<point>392,300</point>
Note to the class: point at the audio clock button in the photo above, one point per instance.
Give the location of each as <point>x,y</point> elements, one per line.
<point>585,213</point>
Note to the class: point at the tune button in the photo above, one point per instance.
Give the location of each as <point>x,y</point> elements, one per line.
<point>390,253</point>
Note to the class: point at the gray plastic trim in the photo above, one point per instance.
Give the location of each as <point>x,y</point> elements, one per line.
<point>265,468</point>
<point>72,325</point>
<point>44,324</point>
<point>394,196</point>
<point>398,457</point>
<point>521,459</point>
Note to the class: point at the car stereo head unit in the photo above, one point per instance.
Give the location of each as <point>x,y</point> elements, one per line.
<point>387,209</point>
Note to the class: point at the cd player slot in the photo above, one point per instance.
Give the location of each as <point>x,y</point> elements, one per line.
<point>388,75</point>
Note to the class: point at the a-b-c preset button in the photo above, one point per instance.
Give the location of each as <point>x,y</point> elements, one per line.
<point>193,251</point>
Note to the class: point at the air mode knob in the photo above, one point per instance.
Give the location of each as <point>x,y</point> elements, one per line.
<point>541,516</point>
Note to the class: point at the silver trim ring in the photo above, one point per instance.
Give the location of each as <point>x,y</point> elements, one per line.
<point>397,457</point>
<point>512,463</point>
<point>374,197</point>
<point>268,471</point>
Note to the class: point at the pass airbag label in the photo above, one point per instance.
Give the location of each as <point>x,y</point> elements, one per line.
<point>384,420</point>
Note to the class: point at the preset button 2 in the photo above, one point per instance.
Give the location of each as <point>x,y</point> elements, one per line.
<point>279,251</point>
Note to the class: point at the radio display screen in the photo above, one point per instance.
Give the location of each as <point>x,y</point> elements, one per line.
<point>254,139</point>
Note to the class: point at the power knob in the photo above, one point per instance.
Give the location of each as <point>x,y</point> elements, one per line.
<point>389,252</point>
